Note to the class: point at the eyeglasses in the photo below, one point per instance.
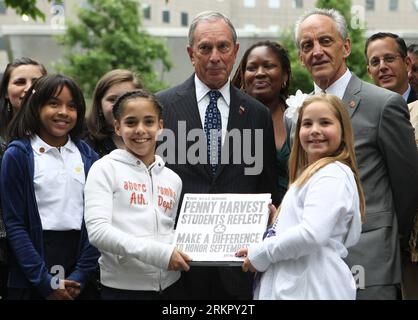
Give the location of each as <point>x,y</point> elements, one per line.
<point>387,58</point>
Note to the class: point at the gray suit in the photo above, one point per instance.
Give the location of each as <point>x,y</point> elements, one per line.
<point>388,163</point>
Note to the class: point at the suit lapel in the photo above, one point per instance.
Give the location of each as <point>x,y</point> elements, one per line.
<point>350,98</point>
<point>187,109</point>
<point>412,96</point>
<point>237,118</point>
<point>237,111</point>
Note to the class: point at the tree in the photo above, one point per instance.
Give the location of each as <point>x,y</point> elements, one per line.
<point>27,7</point>
<point>109,36</point>
<point>301,79</point>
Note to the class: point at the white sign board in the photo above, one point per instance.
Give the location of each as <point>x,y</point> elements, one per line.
<point>212,227</point>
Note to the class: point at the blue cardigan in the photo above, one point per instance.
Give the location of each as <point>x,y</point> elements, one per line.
<point>23,223</point>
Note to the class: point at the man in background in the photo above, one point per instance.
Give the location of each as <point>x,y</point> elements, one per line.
<point>413,72</point>
<point>388,64</point>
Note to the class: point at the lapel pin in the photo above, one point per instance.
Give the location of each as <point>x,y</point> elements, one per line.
<point>241,110</point>
<point>352,104</point>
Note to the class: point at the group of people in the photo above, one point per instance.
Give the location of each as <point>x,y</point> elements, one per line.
<point>342,172</point>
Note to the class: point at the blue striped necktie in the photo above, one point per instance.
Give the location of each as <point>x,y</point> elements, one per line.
<point>213,130</point>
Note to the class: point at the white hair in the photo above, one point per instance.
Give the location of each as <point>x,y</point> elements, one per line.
<point>335,15</point>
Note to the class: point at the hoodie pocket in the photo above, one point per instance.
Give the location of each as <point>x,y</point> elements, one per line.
<point>138,265</point>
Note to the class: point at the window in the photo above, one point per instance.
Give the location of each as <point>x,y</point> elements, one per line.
<point>249,3</point>
<point>298,4</point>
<point>274,4</point>
<point>184,19</point>
<point>166,16</point>
<point>2,7</point>
<point>146,11</point>
<point>3,44</point>
<point>274,28</point>
<point>250,27</point>
<point>369,5</point>
<point>393,5</point>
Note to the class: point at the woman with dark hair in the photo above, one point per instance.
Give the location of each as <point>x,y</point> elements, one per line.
<point>17,78</point>
<point>42,191</point>
<point>264,73</point>
<point>101,134</point>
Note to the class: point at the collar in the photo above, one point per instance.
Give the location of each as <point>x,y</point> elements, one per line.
<point>338,87</point>
<point>39,146</point>
<point>202,90</point>
<point>405,96</point>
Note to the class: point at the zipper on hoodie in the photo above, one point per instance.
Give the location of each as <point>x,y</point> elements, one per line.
<point>156,223</point>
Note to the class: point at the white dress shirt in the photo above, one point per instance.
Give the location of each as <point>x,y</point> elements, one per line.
<point>338,87</point>
<point>224,100</point>
<point>406,93</point>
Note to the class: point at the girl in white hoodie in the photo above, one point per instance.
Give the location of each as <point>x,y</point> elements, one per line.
<point>320,215</point>
<point>131,201</point>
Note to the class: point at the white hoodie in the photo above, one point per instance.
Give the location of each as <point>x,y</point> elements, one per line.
<point>130,212</point>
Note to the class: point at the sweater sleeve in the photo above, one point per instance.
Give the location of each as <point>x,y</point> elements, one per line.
<point>14,197</point>
<point>325,201</point>
<point>98,217</point>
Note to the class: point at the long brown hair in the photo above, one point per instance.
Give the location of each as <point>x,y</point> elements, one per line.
<point>96,122</point>
<point>299,168</point>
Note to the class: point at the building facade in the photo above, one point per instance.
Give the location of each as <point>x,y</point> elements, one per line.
<point>169,19</point>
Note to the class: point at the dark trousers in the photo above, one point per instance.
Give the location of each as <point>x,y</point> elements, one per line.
<point>216,283</point>
<point>60,249</point>
<point>409,277</point>
<point>389,292</point>
<point>4,270</point>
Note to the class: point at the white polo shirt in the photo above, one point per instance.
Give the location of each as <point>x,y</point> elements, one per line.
<point>59,185</point>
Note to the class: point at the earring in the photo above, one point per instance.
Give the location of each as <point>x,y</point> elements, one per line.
<point>9,106</point>
<point>284,85</point>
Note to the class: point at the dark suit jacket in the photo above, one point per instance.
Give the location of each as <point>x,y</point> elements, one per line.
<point>180,104</point>
<point>411,97</point>
<point>388,162</point>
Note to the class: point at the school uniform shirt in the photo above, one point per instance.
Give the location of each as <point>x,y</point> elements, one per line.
<point>130,214</point>
<point>318,221</point>
<point>27,267</point>
<point>59,185</point>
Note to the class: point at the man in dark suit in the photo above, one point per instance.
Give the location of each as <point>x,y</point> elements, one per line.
<point>385,149</point>
<point>413,71</point>
<point>212,50</point>
<point>388,63</point>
